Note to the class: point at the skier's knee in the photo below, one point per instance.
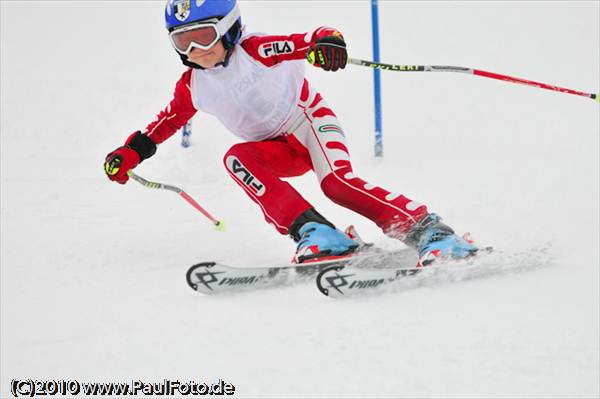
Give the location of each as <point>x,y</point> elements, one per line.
<point>235,150</point>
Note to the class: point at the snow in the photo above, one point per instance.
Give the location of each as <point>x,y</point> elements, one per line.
<point>93,273</point>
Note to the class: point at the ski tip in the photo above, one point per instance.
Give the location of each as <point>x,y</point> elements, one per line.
<point>192,280</point>
<point>329,279</point>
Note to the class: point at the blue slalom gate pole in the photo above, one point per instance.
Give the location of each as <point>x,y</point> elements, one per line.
<point>186,132</point>
<point>377,79</point>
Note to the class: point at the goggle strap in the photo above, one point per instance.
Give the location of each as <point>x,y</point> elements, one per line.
<point>228,20</point>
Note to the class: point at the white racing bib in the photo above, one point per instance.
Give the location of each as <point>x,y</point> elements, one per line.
<point>252,100</point>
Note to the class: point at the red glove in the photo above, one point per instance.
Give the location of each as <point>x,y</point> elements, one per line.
<point>137,148</point>
<point>328,50</point>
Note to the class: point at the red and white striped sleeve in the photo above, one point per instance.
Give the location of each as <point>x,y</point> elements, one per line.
<point>273,49</point>
<point>176,114</point>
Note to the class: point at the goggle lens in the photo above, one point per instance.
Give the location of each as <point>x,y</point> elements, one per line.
<point>204,36</point>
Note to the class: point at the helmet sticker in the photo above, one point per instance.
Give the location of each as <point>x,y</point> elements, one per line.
<point>182,9</point>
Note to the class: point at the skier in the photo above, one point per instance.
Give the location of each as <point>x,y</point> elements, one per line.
<point>255,85</point>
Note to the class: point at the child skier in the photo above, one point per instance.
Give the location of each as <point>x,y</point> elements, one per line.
<point>255,85</point>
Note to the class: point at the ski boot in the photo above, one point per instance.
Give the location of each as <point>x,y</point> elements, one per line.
<point>319,240</point>
<point>434,240</point>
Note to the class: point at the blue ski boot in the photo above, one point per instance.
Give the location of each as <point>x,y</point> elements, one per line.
<point>319,241</point>
<point>434,240</point>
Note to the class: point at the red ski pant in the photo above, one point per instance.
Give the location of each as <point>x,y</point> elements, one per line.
<point>312,139</point>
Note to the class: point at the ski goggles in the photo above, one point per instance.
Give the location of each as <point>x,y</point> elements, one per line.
<point>202,35</point>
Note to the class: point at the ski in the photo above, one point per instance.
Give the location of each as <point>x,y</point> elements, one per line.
<point>337,281</point>
<point>214,277</point>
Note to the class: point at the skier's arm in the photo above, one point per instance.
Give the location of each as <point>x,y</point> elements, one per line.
<point>324,48</point>
<point>140,146</point>
<point>176,114</point>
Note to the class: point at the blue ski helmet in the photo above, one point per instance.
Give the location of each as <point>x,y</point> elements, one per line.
<point>184,12</point>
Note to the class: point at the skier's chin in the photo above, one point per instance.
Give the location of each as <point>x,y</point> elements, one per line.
<point>205,61</point>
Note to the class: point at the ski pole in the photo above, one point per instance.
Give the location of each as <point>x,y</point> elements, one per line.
<point>470,71</point>
<point>218,224</point>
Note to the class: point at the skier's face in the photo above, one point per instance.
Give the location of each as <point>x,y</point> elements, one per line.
<point>208,58</point>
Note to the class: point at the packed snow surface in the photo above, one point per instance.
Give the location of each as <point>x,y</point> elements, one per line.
<point>93,273</point>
